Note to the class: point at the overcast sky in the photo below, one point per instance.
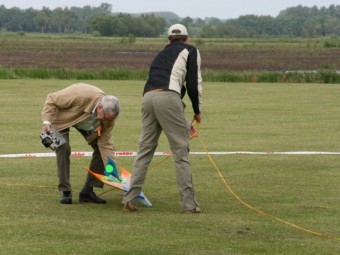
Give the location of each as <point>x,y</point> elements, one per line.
<point>222,9</point>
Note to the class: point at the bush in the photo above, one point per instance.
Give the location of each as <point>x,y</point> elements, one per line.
<point>96,34</point>
<point>324,76</point>
<point>130,39</point>
<point>21,33</point>
<point>330,76</point>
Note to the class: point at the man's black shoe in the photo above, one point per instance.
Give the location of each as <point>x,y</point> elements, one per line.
<point>66,197</point>
<point>91,197</point>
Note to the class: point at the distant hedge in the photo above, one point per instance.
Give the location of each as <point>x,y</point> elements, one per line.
<point>68,74</point>
<point>322,76</point>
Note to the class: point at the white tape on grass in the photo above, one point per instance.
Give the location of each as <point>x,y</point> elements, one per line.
<point>133,153</point>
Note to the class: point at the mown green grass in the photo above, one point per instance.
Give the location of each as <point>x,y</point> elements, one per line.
<point>300,189</point>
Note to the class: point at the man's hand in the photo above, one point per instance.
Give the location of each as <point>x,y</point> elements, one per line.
<point>46,128</point>
<point>198,117</point>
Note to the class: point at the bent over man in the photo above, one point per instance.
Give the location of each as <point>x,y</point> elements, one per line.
<point>93,113</point>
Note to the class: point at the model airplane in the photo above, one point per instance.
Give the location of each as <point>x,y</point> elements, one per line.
<point>122,182</point>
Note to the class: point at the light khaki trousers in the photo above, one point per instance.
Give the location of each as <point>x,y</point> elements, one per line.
<point>163,111</point>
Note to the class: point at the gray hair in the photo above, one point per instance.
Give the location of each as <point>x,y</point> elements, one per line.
<point>110,105</point>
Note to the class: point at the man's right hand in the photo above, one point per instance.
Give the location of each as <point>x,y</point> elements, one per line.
<point>46,128</point>
<point>198,117</point>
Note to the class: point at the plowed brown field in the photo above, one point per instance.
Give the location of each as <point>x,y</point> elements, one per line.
<point>96,53</point>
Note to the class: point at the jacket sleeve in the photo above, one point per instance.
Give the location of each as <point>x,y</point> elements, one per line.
<point>194,80</point>
<point>62,99</point>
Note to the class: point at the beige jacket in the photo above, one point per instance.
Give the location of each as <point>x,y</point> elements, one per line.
<point>73,104</point>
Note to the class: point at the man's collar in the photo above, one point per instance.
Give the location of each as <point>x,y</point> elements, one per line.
<point>94,109</point>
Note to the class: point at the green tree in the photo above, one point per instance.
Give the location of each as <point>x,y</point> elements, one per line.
<point>15,19</point>
<point>4,17</point>
<point>57,19</point>
<point>154,25</point>
<point>208,31</point>
<point>69,19</point>
<point>103,24</point>
<point>41,20</point>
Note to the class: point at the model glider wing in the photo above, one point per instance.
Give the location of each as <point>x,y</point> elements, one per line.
<point>112,178</point>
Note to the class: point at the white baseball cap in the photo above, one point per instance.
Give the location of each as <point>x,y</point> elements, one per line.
<point>177,29</point>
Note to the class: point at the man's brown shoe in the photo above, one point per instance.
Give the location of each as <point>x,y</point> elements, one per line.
<point>128,207</point>
<point>195,210</point>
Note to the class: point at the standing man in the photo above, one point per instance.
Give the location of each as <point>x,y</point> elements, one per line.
<point>163,110</point>
<point>93,114</point>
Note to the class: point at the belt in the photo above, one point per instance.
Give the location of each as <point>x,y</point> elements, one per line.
<point>156,90</point>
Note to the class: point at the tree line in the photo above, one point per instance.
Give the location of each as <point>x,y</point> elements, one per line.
<point>296,21</point>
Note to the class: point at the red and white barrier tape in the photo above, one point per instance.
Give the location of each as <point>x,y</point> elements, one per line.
<point>133,154</point>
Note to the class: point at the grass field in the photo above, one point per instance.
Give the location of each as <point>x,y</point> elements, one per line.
<point>299,189</point>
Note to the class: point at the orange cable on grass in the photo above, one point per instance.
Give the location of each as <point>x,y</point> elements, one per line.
<point>106,191</point>
<point>28,185</point>
<point>254,208</point>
